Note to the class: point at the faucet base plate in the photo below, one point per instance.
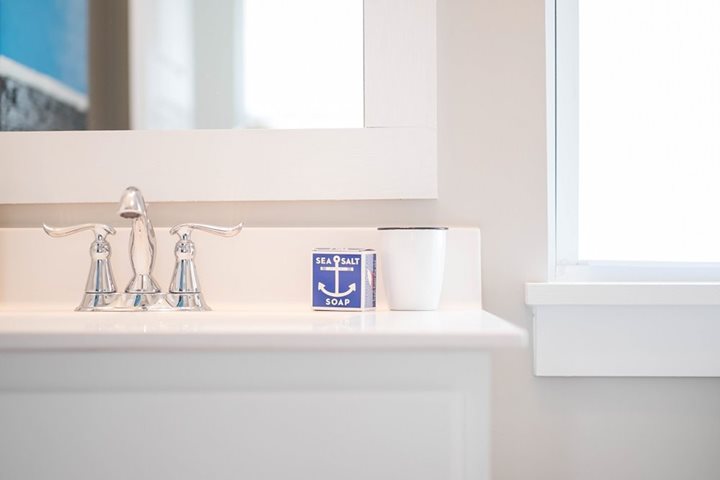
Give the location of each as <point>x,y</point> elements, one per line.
<point>142,302</point>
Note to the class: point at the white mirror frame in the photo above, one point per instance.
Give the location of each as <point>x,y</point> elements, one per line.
<point>393,157</point>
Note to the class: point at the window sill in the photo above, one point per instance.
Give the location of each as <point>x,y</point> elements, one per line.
<point>606,293</point>
<point>626,329</point>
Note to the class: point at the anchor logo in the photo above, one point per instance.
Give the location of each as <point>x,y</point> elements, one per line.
<point>337,269</point>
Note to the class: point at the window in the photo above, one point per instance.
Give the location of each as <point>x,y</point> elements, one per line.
<point>636,139</point>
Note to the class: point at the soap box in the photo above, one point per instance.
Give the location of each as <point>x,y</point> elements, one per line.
<point>344,279</point>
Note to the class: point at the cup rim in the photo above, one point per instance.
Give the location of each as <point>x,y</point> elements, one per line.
<point>412,228</point>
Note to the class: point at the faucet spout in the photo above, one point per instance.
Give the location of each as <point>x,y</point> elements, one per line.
<point>142,242</point>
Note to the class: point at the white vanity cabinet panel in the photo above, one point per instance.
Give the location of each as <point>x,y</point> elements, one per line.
<point>250,415</point>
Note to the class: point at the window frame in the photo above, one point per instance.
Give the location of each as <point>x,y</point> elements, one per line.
<point>564,265</point>
<point>614,319</point>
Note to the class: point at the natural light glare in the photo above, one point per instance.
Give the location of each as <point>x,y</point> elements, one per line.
<point>303,63</point>
<point>649,123</point>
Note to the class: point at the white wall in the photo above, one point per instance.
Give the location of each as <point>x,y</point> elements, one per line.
<point>492,174</point>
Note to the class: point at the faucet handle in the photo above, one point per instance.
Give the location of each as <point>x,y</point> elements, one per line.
<point>184,230</point>
<point>184,279</point>
<point>101,230</point>
<point>100,279</point>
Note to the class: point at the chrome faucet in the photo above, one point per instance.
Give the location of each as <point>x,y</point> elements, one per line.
<point>142,292</point>
<point>142,242</point>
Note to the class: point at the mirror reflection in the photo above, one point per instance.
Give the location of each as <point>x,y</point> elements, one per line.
<point>180,64</point>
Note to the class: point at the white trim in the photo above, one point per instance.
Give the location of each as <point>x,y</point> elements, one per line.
<point>550,134</point>
<point>627,341</point>
<point>44,83</point>
<point>219,165</point>
<point>638,272</point>
<point>384,162</point>
<point>565,85</point>
<point>625,329</point>
<point>612,294</point>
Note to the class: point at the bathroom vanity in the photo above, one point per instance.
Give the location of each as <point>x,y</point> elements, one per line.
<point>260,388</point>
<point>144,383</point>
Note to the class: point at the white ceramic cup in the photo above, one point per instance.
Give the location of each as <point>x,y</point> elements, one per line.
<point>412,261</point>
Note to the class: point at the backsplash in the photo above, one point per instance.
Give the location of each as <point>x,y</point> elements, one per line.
<point>268,268</point>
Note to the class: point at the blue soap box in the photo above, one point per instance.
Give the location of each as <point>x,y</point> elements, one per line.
<point>344,279</point>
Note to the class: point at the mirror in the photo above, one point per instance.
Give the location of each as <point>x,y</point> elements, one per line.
<point>391,154</point>
<point>181,64</point>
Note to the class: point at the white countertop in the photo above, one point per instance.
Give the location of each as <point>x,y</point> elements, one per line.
<point>257,330</point>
